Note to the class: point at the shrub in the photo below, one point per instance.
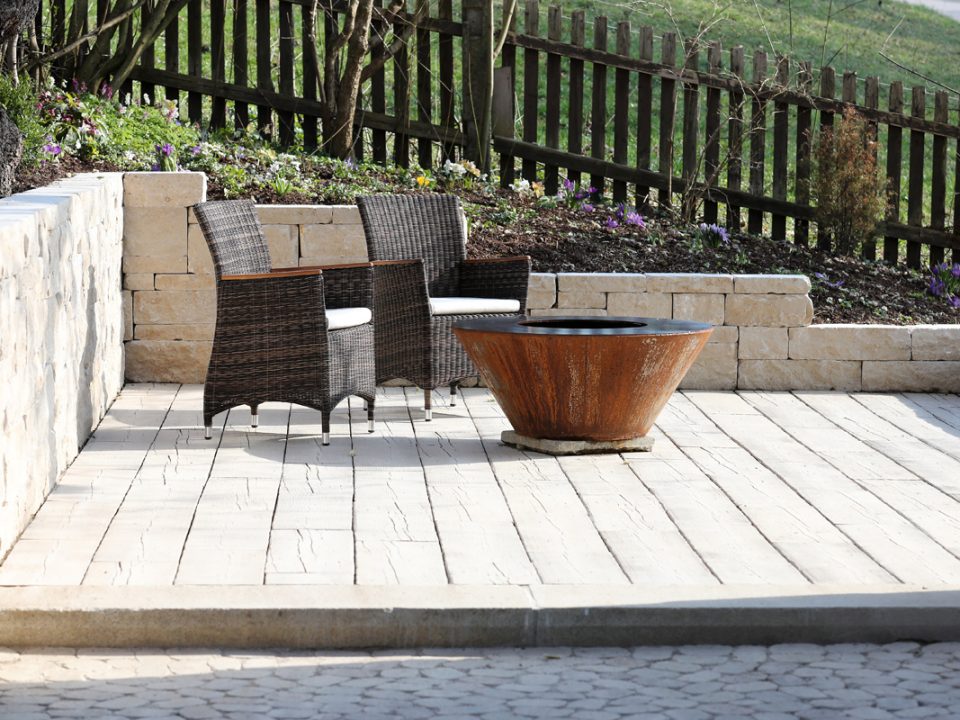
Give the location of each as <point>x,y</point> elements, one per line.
<point>847,187</point>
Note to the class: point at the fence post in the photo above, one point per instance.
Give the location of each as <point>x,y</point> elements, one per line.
<point>477,80</point>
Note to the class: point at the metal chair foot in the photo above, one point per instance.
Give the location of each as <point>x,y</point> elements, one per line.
<point>427,414</point>
<point>453,395</point>
<point>326,438</point>
<point>254,420</point>
<point>207,432</point>
<point>369,426</point>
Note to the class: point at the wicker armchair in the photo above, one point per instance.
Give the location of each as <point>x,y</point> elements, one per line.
<point>423,284</point>
<point>299,335</point>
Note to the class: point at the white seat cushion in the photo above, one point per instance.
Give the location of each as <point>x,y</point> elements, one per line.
<point>472,306</point>
<point>347,317</point>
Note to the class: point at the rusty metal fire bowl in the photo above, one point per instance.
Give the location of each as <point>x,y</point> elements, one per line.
<point>572,385</point>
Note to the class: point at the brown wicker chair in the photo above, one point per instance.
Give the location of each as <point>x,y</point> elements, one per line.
<point>423,284</point>
<point>299,335</point>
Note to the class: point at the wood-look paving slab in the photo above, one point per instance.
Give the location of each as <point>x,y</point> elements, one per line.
<point>754,488</point>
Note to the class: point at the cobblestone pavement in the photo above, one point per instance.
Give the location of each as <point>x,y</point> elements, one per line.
<point>784,682</point>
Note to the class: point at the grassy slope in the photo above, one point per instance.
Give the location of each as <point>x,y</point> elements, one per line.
<point>925,41</point>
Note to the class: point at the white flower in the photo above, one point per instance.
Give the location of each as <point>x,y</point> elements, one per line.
<point>521,187</point>
<point>452,168</point>
<point>146,99</point>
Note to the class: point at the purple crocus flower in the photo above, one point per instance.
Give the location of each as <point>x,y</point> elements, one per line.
<point>956,270</point>
<point>569,185</point>
<point>634,218</point>
<point>612,223</point>
<point>587,207</point>
<point>155,167</point>
<point>196,150</point>
<point>955,301</point>
<point>166,149</point>
<point>53,149</point>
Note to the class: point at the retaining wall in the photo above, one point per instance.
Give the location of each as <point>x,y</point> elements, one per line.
<point>61,331</point>
<point>763,337</point>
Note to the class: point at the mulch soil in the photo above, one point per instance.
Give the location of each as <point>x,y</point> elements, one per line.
<point>845,290</point>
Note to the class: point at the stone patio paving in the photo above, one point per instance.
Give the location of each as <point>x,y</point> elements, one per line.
<point>785,489</point>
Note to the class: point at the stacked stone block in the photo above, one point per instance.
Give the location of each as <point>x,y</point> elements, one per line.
<point>61,333</point>
<point>762,339</point>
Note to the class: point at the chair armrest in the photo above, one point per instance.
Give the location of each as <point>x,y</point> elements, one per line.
<point>400,289</point>
<point>507,278</point>
<point>344,285</point>
<point>273,310</point>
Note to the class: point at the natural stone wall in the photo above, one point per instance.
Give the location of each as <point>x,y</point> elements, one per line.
<point>763,337</point>
<point>61,332</point>
<point>763,307</point>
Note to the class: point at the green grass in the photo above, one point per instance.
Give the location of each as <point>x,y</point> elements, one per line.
<point>913,36</point>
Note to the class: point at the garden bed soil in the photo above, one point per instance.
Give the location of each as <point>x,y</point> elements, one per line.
<point>563,239</point>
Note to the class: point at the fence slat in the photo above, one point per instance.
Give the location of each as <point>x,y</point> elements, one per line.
<point>171,54</point>
<point>621,111</point>
<point>781,131</point>
<point>575,109</point>
<point>828,82</point>
<point>218,60</point>
<point>644,113</point>
<point>378,87</point>
<point>264,74</point>
<point>735,136</point>
<point>195,58</point>
<point>668,114</point>
<point>285,118</point>
<point>445,58</point>
<point>508,59</point>
<point>938,187</point>
<point>955,255</point>
<point>871,99</point>
<point>241,111</point>
<point>424,87</point>
<point>310,71</point>
<point>691,116</point>
<point>711,152</point>
<point>598,111</point>
<point>531,85</point>
<point>891,244</point>
<point>918,108</point>
<point>401,101</point>
<point>148,58</point>
<point>801,227</point>
<point>758,141</point>
<point>551,173</point>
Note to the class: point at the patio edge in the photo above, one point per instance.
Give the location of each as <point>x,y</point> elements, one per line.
<point>458,616</point>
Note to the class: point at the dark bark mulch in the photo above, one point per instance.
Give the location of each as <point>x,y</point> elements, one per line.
<point>845,290</point>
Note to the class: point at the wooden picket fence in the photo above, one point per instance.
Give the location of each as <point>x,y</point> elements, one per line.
<point>631,115</point>
<point>739,141</point>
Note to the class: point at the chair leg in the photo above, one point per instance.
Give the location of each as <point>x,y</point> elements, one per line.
<point>325,426</point>
<point>207,427</point>
<point>369,405</point>
<point>254,416</point>
<point>427,401</point>
<point>453,394</point>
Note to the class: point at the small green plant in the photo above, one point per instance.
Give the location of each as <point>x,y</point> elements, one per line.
<point>847,187</point>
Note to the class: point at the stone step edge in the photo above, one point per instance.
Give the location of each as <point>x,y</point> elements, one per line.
<point>317,617</point>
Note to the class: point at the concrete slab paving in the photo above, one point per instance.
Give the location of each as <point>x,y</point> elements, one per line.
<point>757,517</point>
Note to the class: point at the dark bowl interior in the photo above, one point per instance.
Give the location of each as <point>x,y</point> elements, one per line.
<point>586,323</point>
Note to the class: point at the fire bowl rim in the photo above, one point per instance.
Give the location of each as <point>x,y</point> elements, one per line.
<point>618,325</point>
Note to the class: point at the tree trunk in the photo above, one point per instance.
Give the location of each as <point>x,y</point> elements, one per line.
<point>338,122</point>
